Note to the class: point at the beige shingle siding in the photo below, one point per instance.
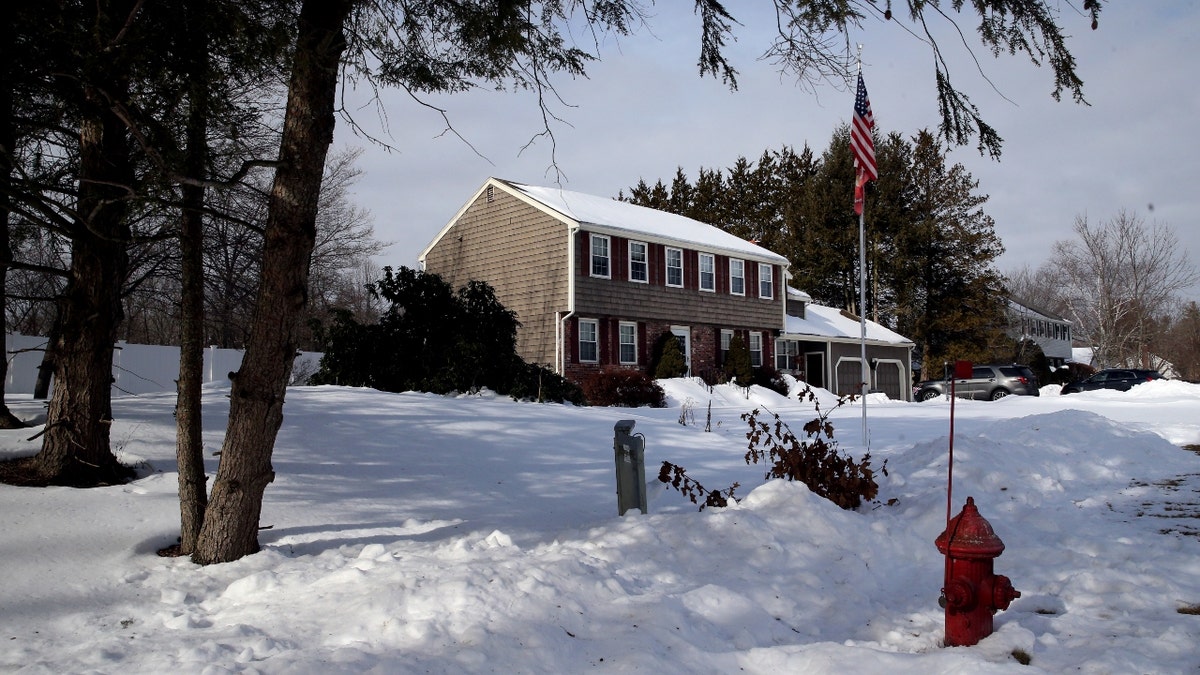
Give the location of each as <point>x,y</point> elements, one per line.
<point>522,253</point>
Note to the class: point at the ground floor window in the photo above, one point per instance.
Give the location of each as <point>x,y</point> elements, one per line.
<point>786,354</point>
<point>628,343</point>
<point>589,342</point>
<point>756,350</point>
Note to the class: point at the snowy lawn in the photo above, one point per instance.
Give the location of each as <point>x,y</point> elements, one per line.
<point>410,533</point>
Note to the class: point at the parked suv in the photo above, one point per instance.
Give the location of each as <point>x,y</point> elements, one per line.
<point>1121,379</point>
<point>987,382</point>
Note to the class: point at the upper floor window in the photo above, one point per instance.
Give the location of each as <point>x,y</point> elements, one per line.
<point>674,267</point>
<point>637,262</point>
<point>628,342</point>
<point>737,276</point>
<point>766,281</point>
<point>589,341</point>
<point>708,272</point>
<point>601,258</point>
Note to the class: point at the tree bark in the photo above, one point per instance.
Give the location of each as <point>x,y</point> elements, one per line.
<point>189,442</point>
<point>75,448</point>
<point>256,408</point>
<point>41,388</point>
<point>7,143</point>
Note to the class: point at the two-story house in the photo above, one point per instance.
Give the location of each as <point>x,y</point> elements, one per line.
<point>595,281</point>
<point>1049,331</point>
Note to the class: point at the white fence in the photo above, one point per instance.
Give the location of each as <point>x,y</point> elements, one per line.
<point>137,369</point>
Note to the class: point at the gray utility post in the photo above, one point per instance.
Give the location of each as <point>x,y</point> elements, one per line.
<point>629,451</point>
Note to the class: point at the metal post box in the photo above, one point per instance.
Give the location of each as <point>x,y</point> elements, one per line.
<point>629,453</point>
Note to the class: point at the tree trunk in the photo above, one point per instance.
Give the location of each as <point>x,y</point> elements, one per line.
<point>7,142</point>
<point>189,442</point>
<point>256,408</point>
<point>75,448</point>
<point>41,388</point>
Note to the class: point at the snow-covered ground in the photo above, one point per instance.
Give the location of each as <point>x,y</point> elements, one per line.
<point>411,533</point>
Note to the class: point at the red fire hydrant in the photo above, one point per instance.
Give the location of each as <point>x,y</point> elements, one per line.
<point>972,593</point>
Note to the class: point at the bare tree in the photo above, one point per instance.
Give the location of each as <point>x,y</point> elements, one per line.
<point>1037,288</point>
<point>1115,278</point>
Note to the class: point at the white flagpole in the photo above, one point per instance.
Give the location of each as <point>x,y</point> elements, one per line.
<point>862,296</point>
<point>862,317</point>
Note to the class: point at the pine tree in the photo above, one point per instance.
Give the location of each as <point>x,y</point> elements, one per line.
<point>737,362</point>
<point>941,267</point>
<point>670,362</point>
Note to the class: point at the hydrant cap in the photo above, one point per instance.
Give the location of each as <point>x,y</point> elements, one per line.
<point>970,535</point>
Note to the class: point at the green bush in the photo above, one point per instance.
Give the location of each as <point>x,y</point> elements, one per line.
<point>624,388</point>
<point>432,338</point>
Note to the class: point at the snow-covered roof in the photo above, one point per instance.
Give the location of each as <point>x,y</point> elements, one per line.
<point>625,219</point>
<point>827,322</point>
<point>1022,307</point>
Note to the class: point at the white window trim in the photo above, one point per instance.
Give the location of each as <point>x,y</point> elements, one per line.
<point>592,255</point>
<point>732,276</point>
<point>700,272</point>
<point>645,261</point>
<point>621,344</point>
<point>595,324</point>
<point>667,265</point>
<point>759,336</point>
<point>787,348</point>
<point>766,274</point>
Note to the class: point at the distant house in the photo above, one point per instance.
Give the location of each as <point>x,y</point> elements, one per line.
<point>1049,331</point>
<point>595,282</point>
<point>823,346</point>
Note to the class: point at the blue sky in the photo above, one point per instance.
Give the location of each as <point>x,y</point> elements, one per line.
<point>643,112</point>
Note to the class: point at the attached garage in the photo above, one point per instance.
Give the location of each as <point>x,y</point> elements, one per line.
<point>823,346</point>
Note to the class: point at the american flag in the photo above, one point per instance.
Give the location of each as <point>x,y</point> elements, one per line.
<point>861,144</point>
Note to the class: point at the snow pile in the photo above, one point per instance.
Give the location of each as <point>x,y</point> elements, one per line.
<point>414,533</point>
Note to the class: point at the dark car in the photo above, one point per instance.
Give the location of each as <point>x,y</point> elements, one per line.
<point>987,382</point>
<point>1121,379</point>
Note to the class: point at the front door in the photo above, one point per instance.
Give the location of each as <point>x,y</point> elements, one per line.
<point>684,335</point>
<point>814,369</point>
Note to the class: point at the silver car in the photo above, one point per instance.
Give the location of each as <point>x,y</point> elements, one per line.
<point>987,383</point>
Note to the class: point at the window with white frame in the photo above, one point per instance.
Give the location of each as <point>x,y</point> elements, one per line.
<point>737,276</point>
<point>637,262</point>
<point>628,342</point>
<point>786,352</point>
<point>601,257</point>
<point>708,272</point>
<point>589,341</point>
<point>766,281</point>
<point>726,338</point>
<point>674,267</point>
<point>756,350</point>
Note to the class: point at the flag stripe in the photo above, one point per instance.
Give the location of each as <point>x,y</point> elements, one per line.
<point>861,142</point>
